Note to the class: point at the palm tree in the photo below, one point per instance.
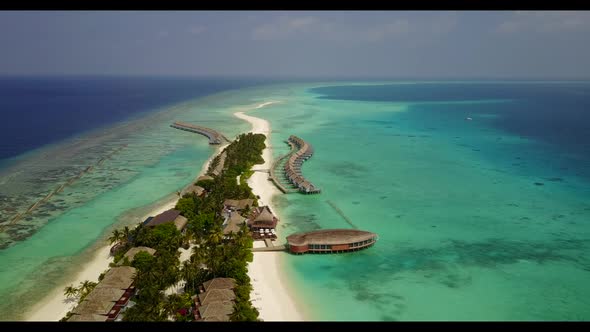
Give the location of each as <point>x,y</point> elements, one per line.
<point>215,236</point>
<point>71,291</point>
<point>237,315</point>
<point>86,287</point>
<point>126,234</point>
<point>116,237</point>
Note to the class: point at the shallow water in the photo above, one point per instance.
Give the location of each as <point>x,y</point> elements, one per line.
<point>477,220</point>
<point>154,162</point>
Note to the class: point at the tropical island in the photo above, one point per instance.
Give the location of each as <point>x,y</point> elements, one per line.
<point>150,251</point>
<point>193,260</point>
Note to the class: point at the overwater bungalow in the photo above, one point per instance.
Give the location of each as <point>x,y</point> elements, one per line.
<point>170,216</point>
<point>330,241</point>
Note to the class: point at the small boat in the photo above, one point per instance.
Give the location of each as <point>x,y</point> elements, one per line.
<point>468,119</point>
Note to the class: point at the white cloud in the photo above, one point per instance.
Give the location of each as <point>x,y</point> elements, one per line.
<point>282,27</point>
<point>195,30</point>
<point>162,34</point>
<point>311,27</point>
<point>545,22</point>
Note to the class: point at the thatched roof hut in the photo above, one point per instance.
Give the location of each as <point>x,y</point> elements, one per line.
<point>171,215</point>
<point>238,204</point>
<point>218,311</point>
<point>87,318</point>
<point>130,254</point>
<point>120,277</point>
<point>105,295</point>
<point>214,295</point>
<point>88,307</point>
<point>234,223</point>
<point>194,189</point>
<point>263,218</point>
<point>219,283</point>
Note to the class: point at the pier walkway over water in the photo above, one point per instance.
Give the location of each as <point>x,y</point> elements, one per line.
<point>214,136</point>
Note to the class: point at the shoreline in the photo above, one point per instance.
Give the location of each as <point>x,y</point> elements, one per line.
<point>269,293</point>
<point>55,305</point>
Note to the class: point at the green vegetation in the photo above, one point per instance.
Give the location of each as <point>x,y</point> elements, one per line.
<point>81,291</point>
<point>213,164</point>
<point>212,256</point>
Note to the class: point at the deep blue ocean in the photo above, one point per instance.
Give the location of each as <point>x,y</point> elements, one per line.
<point>556,114</point>
<point>45,110</point>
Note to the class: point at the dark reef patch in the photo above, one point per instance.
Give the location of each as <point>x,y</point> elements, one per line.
<point>348,169</point>
<point>554,179</point>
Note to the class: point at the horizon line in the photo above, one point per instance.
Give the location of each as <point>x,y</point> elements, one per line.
<point>284,77</point>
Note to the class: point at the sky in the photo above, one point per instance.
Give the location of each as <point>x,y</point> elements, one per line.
<point>392,44</point>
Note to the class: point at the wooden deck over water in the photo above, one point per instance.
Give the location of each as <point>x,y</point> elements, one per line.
<point>270,247</point>
<point>214,136</point>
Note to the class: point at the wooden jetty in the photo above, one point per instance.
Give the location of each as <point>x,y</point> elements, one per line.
<point>269,247</point>
<point>214,136</point>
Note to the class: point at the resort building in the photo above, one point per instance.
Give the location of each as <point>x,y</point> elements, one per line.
<point>330,241</point>
<point>167,217</point>
<point>262,223</point>
<point>219,167</point>
<point>215,301</point>
<point>194,189</point>
<point>233,223</point>
<point>109,298</point>
<point>219,283</point>
<point>238,205</point>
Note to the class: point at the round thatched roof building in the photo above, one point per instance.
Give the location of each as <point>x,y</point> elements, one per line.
<point>330,240</point>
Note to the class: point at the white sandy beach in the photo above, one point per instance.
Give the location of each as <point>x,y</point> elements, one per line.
<point>269,295</point>
<point>55,305</point>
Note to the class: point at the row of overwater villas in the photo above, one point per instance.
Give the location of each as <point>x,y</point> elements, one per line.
<point>293,166</point>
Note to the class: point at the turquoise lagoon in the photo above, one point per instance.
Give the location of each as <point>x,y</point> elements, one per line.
<point>477,219</point>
